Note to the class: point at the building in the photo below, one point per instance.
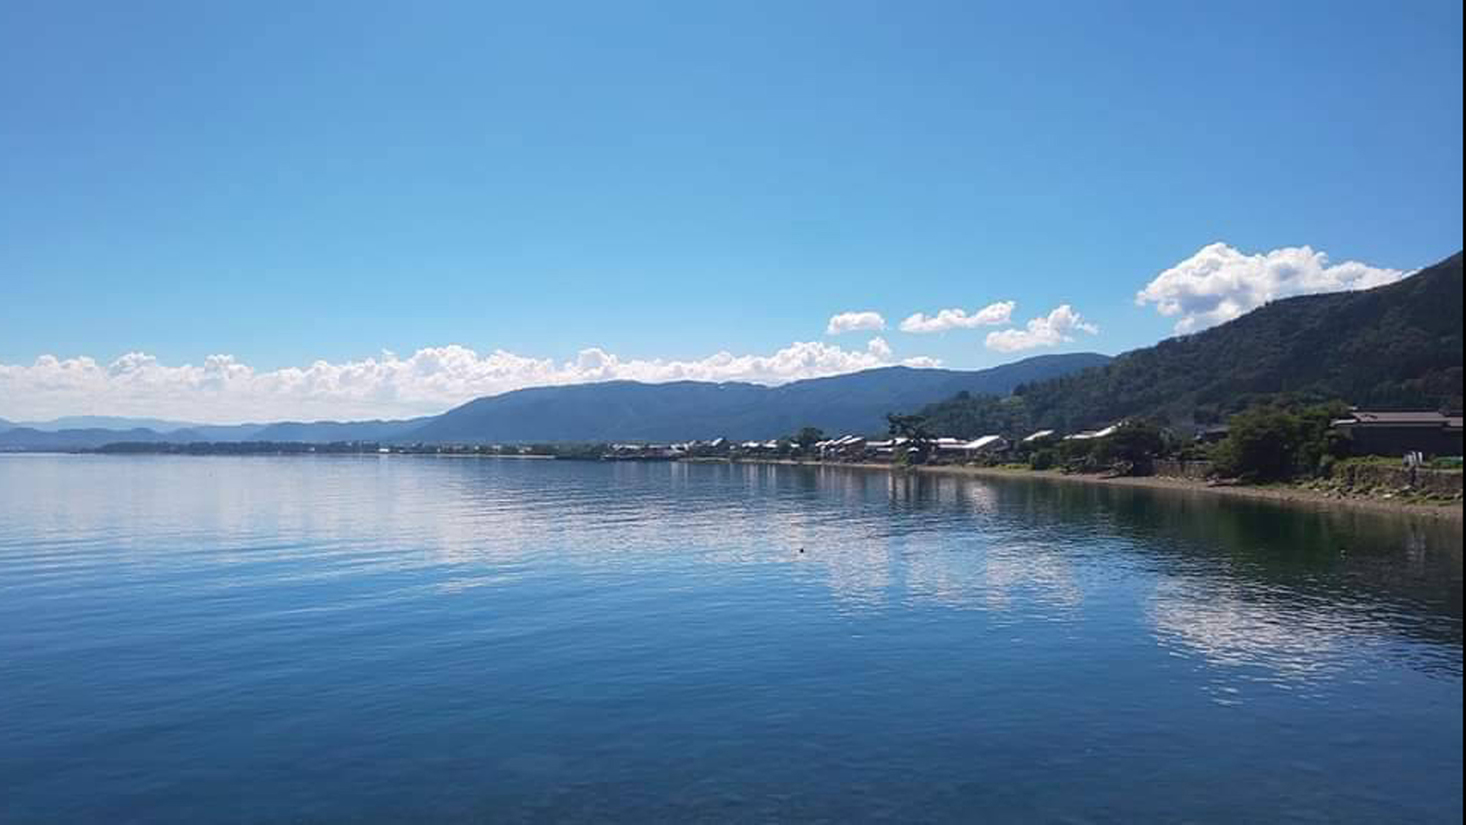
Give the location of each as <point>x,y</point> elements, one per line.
<point>885,450</point>
<point>987,445</point>
<point>1398,433</point>
<point>844,447</point>
<point>1093,434</point>
<point>1212,435</point>
<point>1041,435</point>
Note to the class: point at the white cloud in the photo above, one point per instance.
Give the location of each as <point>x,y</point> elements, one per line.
<point>991,315</point>
<point>878,347</point>
<point>855,322</point>
<point>1219,283</point>
<point>222,389</point>
<point>922,362</point>
<point>1058,327</point>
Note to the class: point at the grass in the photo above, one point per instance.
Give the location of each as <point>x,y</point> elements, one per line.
<point>1448,464</point>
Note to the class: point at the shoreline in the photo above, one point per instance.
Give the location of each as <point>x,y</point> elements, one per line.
<point>1290,496</point>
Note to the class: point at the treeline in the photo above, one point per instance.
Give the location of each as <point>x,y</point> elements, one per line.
<point>1278,440</point>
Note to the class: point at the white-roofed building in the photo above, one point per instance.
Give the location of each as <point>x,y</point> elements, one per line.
<point>1093,434</point>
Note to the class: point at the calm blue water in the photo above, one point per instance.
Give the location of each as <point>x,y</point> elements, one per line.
<point>419,639</point>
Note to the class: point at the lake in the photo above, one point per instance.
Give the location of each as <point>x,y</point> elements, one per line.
<point>437,639</point>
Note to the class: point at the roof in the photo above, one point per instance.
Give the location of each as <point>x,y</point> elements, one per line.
<point>1105,433</point>
<point>1403,417</point>
<point>1400,418</point>
<point>1040,434</point>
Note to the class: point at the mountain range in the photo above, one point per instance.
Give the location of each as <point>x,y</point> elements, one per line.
<point>621,410</point>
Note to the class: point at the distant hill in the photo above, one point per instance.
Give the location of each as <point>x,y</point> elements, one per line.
<point>88,438</point>
<point>217,432</point>
<point>627,410</point>
<point>32,439</point>
<point>1395,346</point>
<point>321,432</point>
<point>105,422</point>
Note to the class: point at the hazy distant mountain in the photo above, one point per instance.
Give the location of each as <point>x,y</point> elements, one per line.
<point>105,422</point>
<point>217,432</point>
<point>30,438</point>
<point>627,410</point>
<point>326,431</point>
<point>1395,346</point>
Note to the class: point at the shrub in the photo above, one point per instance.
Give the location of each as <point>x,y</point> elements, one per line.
<point>1270,443</point>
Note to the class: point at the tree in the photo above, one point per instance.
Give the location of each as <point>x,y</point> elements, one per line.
<point>1262,444</point>
<point>1275,443</point>
<point>913,429</point>
<point>807,437</point>
<point>1136,444</point>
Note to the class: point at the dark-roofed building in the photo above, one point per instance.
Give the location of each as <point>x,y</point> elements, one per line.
<point>1397,433</point>
<point>1213,434</point>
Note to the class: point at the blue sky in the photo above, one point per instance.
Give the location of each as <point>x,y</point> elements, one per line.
<point>285,182</point>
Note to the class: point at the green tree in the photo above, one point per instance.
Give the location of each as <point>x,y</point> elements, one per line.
<point>807,437</point>
<point>1275,443</point>
<point>1262,444</point>
<point>918,438</point>
<point>1043,459</point>
<point>1135,444</point>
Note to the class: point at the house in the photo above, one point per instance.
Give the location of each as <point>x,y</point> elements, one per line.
<point>1397,433</point>
<point>973,448</point>
<point>885,449</point>
<point>1093,434</point>
<point>1041,435</point>
<point>986,445</point>
<point>846,446</point>
<point>1212,435</point>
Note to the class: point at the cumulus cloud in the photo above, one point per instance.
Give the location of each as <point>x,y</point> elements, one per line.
<point>222,389</point>
<point>1058,327</point>
<point>1219,283</point>
<point>855,322</point>
<point>922,362</point>
<point>992,315</point>
<point>878,347</point>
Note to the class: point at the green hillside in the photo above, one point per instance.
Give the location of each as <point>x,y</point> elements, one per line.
<point>1396,346</point>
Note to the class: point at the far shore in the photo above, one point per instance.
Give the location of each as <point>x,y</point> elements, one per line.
<point>1284,494</point>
